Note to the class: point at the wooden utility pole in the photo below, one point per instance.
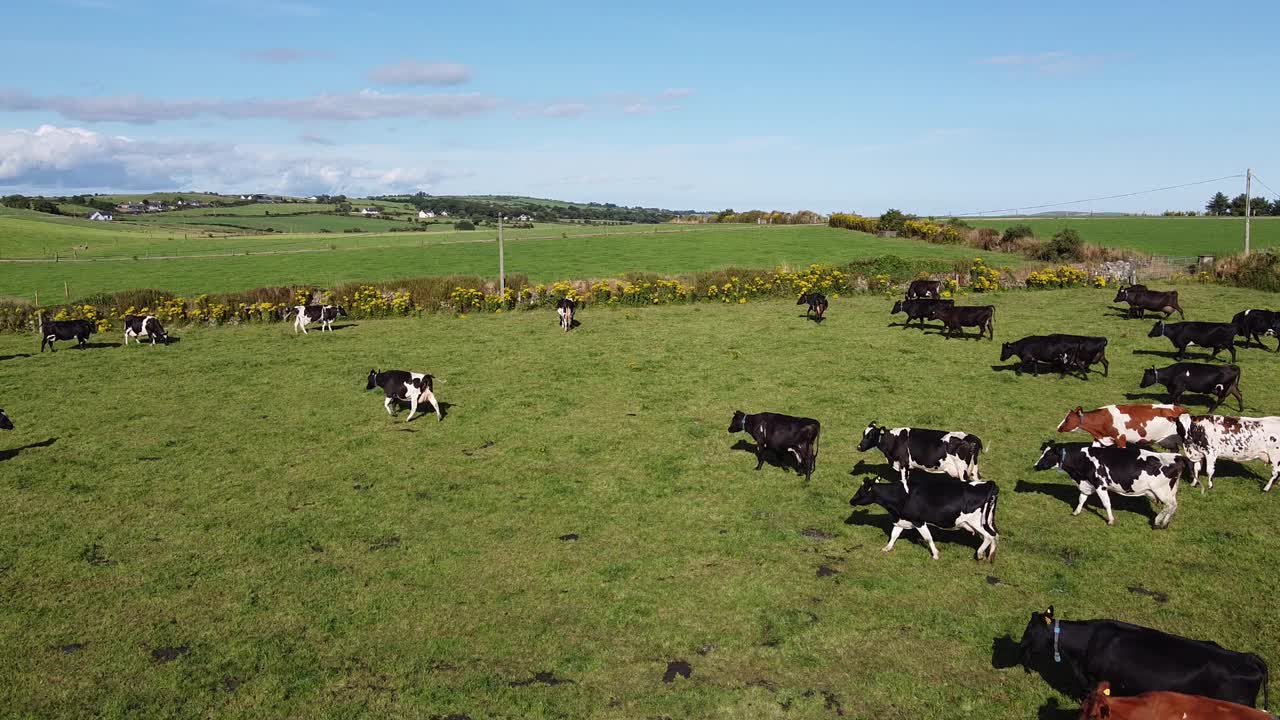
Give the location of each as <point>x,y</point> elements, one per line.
<point>1248,181</point>
<point>502,266</point>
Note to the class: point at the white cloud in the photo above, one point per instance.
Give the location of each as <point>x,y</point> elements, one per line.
<point>561,110</point>
<point>284,55</point>
<point>74,159</point>
<point>412,72</point>
<point>1055,62</point>
<point>676,93</point>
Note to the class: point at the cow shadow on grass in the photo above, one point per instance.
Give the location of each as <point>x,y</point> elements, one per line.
<point>14,356</point>
<point>1188,398</point>
<point>1006,655</point>
<point>962,335</point>
<point>883,521</point>
<point>15,452</point>
<point>96,345</point>
<point>772,458</point>
<point>1069,494</point>
<point>1187,356</point>
<point>817,319</point>
<point>884,471</point>
<point>915,324</point>
<point>424,410</point>
<point>1045,369</point>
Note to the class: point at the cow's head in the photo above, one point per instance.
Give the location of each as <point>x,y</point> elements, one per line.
<point>1006,351</point>
<point>1122,295</point>
<point>1073,421</point>
<point>1097,706</point>
<point>156,330</point>
<point>897,308</point>
<point>1150,377</point>
<point>1157,330</point>
<point>341,311</point>
<point>870,437</point>
<point>5,422</point>
<point>373,380</point>
<point>1037,638</point>
<point>804,299</point>
<point>1050,456</point>
<point>866,493</point>
<point>739,422</point>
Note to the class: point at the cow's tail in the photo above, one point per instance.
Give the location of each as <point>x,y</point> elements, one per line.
<point>989,520</point>
<point>1183,425</point>
<point>991,324</point>
<point>1266,680</point>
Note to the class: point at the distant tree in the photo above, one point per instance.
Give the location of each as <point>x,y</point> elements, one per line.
<point>464,225</point>
<point>1259,206</point>
<point>1237,205</point>
<point>1017,232</point>
<point>1217,205</point>
<point>893,219</point>
<point>1065,245</point>
<point>16,201</point>
<point>1275,207</point>
<point>45,205</point>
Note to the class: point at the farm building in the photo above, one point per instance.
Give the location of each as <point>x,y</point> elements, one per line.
<point>99,216</point>
<point>370,212</point>
<point>425,214</point>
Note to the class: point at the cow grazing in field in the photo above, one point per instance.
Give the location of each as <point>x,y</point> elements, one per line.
<point>78,330</point>
<point>781,433</point>
<point>934,451</point>
<point>1178,378</point>
<point>323,314</point>
<point>1253,324</point>
<point>1125,471</point>
<point>1061,351</point>
<point>138,327</point>
<point>403,386</point>
<point>5,422</point>
<point>1162,705</point>
<point>924,289</point>
<point>956,319</point>
<point>1141,299</point>
<point>1120,425</point>
<point>817,303</point>
<point>940,503</point>
<point>565,308</point>
<point>1136,659</point>
<point>1234,438</point>
<point>1209,335</point>
<point>919,309</point>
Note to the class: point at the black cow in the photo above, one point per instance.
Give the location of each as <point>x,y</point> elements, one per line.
<point>919,309</point>
<point>1253,324</point>
<point>940,503</point>
<point>817,303</point>
<point>781,433</point>
<point>323,314</point>
<point>78,330</point>
<point>1136,659</point>
<point>138,327</point>
<point>5,422</point>
<point>1218,380</point>
<point>403,386</point>
<point>956,319</point>
<point>924,289</point>
<point>565,308</point>
<point>1141,299</point>
<point>1060,351</point>
<point>934,451</point>
<point>1211,335</point>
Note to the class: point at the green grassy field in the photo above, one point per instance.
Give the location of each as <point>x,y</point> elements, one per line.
<point>403,255</point>
<point>231,526</point>
<point>1156,236</point>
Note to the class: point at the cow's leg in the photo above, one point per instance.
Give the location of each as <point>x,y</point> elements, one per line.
<point>898,527</point>
<point>904,470</point>
<point>431,398</point>
<point>1209,462</point>
<point>1106,503</point>
<point>1275,472</point>
<point>387,404</point>
<point>1080,505</point>
<point>413,407</point>
<point>1232,349</point>
<point>924,533</point>
<point>1235,390</point>
<point>760,450</point>
<point>973,470</point>
<point>1182,352</point>
<point>126,338</point>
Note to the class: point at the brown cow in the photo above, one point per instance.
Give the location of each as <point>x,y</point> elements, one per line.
<point>1120,425</point>
<point>1161,705</point>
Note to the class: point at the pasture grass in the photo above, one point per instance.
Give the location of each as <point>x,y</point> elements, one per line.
<point>1156,235</point>
<point>569,253</point>
<point>232,526</point>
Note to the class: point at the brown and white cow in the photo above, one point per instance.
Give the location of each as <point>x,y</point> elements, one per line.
<point>1120,425</point>
<point>1235,438</point>
<point>1162,705</point>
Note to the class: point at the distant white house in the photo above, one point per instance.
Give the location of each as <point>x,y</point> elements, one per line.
<point>370,211</point>
<point>313,198</point>
<point>524,218</point>
<point>425,214</point>
<point>101,217</point>
<point>444,213</point>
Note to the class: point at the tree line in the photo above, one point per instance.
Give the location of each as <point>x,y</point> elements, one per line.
<point>1220,206</point>
<point>482,209</point>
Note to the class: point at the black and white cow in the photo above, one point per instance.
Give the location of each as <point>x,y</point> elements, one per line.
<point>405,386</point>
<point>952,453</point>
<point>943,504</point>
<point>1253,324</point>
<point>78,330</point>
<point>1125,471</point>
<point>5,422</point>
<point>924,289</point>
<point>920,309</point>
<point>565,308</point>
<point>1234,438</point>
<point>323,314</point>
<point>1059,351</point>
<point>774,432</point>
<point>1136,659</point>
<point>817,303</point>
<point>1209,335</point>
<point>138,327</point>
<point>1178,378</point>
<point>956,319</point>
<point>1141,299</point>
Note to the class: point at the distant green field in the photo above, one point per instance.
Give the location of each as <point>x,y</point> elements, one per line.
<point>253,209</point>
<point>1156,236</point>
<point>420,254</point>
<point>289,223</point>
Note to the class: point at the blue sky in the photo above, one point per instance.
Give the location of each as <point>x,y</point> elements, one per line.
<point>929,107</point>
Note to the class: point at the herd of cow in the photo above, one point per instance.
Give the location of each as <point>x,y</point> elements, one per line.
<point>1170,676</point>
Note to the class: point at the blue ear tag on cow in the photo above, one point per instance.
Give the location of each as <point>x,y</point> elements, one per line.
<point>1057,630</point>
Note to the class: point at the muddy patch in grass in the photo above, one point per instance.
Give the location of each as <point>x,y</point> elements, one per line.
<point>386,543</point>
<point>169,654</point>
<point>827,571</point>
<point>471,452</point>
<point>93,555</point>
<point>230,684</point>
<point>993,580</point>
<point>570,537</point>
<point>707,649</point>
<point>71,648</point>
<point>542,677</point>
<point>677,668</point>
<point>816,534</point>
<point>1156,595</point>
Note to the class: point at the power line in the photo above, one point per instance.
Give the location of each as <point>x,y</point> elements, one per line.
<point>1273,192</point>
<point>1105,197</point>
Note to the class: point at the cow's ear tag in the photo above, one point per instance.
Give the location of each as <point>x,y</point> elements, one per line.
<point>1106,691</point>
<point>1047,621</point>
